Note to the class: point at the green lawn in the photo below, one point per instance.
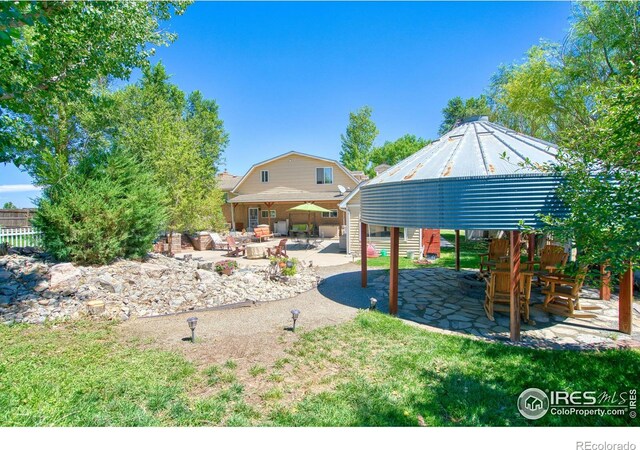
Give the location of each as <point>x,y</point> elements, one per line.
<point>469,251</point>
<point>374,370</point>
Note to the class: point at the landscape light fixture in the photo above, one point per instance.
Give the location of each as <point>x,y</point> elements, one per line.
<point>294,315</point>
<point>193,321</point>
<point>374,303</point>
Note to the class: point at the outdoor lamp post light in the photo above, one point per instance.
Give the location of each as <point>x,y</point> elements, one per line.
<point>294,315</point>
<point>374,302</point>
<point>192,321</point>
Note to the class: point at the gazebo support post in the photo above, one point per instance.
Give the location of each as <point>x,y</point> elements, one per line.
<point>363,253</point>
<point>625,302</point>
<point>458,250</point>
<point>514,269</point>
<point>605,282</point>
<point>393,271</point>
<point>531,251</point>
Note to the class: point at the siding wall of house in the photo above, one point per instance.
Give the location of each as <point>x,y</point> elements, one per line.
<point>411,241</point>
<point>353,230</point>
<point>294,172</point>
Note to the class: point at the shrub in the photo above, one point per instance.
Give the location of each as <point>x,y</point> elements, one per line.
<point>105,207</point>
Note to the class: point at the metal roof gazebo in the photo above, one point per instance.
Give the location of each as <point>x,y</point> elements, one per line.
<point>473,177</point>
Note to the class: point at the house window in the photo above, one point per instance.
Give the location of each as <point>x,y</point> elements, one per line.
<point>377,231</point>
<point>330,214</point>
<point>264,176</point>
<point>265,213</point>
<point>324,175</point>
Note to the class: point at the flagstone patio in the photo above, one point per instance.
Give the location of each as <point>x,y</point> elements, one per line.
<point>434,297</point>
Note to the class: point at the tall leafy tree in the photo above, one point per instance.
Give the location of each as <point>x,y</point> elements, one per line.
<point>9,205</point>
<point>204,122</point>
<point>51,56</point>
<point>554,87</point>
<point>392,152</point>
<point>180,138</point>
<point>458,109</point>
<point>600,163</point>
<point>585,95</point>
<point>357,142</point>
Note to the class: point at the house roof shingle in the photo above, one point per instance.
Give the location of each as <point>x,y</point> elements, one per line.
<point>227,181</point>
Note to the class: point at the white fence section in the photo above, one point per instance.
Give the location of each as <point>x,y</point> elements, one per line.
<point>21,237</point>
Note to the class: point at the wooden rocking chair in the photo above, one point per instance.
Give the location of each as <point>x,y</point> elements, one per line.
<point>498,295</point>
<point>562,295</point>
<point>498,250</point>
<point>279,250</point>
<point>553,258</point>
<point>235,249</point>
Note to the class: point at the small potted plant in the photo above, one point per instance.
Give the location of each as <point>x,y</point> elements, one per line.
<point>226,266</point>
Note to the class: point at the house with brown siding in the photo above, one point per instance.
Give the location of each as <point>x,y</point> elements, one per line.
<point>270,188</point>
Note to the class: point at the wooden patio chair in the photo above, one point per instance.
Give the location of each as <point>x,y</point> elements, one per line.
<point>498,295</point>
<point>553,258</point>
<point>235,249</point>
<point>562,295</point>
<point>498,250</point>
<point>279,250</point>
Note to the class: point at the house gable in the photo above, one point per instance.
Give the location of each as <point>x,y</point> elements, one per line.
<point>293,171</point>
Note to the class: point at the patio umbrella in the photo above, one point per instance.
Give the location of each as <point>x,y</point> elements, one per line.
<point>309,207</point>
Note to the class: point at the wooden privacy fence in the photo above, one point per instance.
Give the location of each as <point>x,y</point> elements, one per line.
<point>21,237</point>
<point>16,218</point>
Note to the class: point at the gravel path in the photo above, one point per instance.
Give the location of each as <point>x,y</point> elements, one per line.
<point>256,334</point>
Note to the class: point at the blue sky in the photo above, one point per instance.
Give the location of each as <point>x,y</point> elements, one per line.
<point>286,75</point>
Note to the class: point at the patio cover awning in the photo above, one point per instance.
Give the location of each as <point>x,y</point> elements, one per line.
<point>287,196</point>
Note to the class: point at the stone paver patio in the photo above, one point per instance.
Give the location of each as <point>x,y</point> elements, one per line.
<point>433,297</point>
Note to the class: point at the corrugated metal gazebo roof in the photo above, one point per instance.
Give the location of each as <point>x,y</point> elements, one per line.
<point>470,178</point>
<point>474,148</point>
